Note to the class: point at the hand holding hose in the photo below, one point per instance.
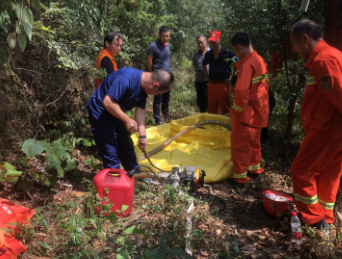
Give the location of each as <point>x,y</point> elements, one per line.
<point>142,143</point>
<point>131,125</point>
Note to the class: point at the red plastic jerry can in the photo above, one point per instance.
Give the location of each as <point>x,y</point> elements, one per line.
<point>120,189</point>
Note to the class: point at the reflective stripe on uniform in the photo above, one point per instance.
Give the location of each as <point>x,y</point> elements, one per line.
<point>259,78</point>
<point>311,80</point>
<point>306,200</point>
<point>254,167</point>
<point>244,175</point>
<point>239,109</point>
<point>326,205</point>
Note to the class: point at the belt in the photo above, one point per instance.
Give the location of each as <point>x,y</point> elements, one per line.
<point>216,81</point>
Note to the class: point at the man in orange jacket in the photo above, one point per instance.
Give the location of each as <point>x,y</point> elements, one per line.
<point>105,59</point>
<point>317,168</point>
<point>250,109</point>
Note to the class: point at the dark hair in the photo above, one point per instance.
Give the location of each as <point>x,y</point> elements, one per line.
<point>201,36</point>
<point>241,38</point>
<point>308,27</point>
<point>164,78</point>
<point>163,29</point>
<point>110,37</point>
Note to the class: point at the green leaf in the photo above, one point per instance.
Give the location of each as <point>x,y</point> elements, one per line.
<point>46,145</point>
<point>164,238</point>
<point>70,164</point>
<point>11,173</point>
<point>84,142</point>
<point>21,41</point>
<point>17,9</point>
<point>124,208</point>
<point>19,28</point>
<point>134,230</point>
<point>60,149</point>
<point>2,56</point>
<point>112,217</point>
<point>12,40</point>
<point>60,171</point>
<point>32,147</point>
<point>9,231</point>
<point>1,176</point>
<point>88,161</point>
<point>50,181</point>
<point>8,166</point>
<point>53,160</point>
<point>43,244</point>
<point>120,256</point>
<point>28,16</point>
<point>28,30</point>
<point>106,207</point>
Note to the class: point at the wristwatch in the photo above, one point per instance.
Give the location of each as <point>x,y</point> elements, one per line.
<point>142,136</point>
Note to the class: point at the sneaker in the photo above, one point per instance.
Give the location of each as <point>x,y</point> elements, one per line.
<point>159,122</point>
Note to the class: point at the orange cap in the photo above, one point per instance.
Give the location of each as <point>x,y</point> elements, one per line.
<point>214,36</point>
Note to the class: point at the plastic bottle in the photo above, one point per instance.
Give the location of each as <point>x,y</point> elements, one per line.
<point>296,228</point>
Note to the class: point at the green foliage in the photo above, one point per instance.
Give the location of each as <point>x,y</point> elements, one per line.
<point>8,173</point>
<point>22,21</point>
<point>57,154</point>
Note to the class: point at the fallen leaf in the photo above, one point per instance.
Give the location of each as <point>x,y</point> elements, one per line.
<point>248,248</point>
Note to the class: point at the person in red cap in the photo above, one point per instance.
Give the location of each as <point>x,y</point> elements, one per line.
<point>317,168</point>
<point>219,74</point>
<point>250,109</point>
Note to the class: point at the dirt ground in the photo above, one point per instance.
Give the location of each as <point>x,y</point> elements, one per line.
<point>243,230</point>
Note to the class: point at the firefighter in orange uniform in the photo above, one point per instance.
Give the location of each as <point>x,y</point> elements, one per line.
<point>317,168</point>
<point>105,59</point>
<point>250,109</point>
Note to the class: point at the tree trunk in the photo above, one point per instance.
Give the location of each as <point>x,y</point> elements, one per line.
<point>333,23</point>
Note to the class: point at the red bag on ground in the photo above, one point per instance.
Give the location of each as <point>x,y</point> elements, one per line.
<point>10,247</point>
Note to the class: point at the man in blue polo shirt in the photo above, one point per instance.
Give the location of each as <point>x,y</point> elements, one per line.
<point>219,75</point>
<point>158,58</point>
<point>120,92</point>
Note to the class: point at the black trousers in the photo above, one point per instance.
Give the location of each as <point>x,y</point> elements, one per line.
<point>163,101</point>
<point>202,96</point>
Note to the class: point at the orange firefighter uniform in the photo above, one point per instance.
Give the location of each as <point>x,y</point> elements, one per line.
<point>10,213</point>
<point>317,168</point>
<point>103,53</point>
<point>249,116</point>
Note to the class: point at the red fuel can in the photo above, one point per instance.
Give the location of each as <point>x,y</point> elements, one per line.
<point>120,189</point>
